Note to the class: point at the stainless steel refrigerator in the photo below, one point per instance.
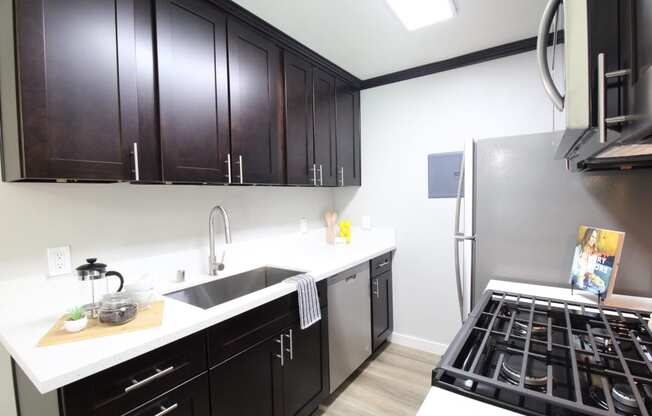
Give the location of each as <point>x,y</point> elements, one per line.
<point>522,210</point>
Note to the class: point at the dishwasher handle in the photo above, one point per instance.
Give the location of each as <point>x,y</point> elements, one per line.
<point>348,275</point>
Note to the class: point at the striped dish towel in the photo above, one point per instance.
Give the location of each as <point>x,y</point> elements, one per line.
<point>309,310</point>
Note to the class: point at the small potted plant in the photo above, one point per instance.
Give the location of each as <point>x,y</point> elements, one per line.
<point>76,320</point>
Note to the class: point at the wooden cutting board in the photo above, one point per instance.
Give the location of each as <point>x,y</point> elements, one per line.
<point>146,319</point>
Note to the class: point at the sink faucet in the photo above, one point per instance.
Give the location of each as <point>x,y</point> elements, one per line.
<point>213,265</point>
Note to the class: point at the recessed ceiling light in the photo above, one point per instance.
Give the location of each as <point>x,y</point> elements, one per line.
<point>415,14</point>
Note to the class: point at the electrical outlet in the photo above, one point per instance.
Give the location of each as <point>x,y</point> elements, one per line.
<point>59,262</point>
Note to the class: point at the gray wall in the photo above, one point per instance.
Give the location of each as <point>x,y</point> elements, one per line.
<point>529,209</point>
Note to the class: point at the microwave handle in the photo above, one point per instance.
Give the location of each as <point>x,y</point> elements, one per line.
<point>542,54</point>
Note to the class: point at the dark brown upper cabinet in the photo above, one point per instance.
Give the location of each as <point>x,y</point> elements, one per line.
<point>193,91</point>
<point>256,91</point>
<point>78,99</point>
<point>348,135</point>
<point>176,91</point>
<point>325,137</point>
<point>299,142</point>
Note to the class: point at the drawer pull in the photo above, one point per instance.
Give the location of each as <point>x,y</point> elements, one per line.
<point>383,264</point>
<point>166,410</point>
<point>138,384</point>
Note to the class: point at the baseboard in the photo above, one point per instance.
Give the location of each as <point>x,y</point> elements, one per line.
<point>418,343</point>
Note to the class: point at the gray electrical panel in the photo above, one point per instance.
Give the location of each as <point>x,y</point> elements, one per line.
<point>444,174</point>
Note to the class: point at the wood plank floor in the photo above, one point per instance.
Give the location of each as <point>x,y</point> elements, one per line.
<point>394,383</point>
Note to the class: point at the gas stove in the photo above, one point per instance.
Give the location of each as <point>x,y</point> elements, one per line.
<point>540,356</point>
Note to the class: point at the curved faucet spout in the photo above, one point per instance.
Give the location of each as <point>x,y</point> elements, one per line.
<point>213,265</point>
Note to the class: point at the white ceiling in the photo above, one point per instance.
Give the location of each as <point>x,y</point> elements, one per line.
<point>365,38</point>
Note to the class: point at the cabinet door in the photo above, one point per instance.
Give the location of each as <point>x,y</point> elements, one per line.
<point>348,135</point>
<point>299,136</point>
<point>255,85</point>
<point>305,375</point>
<point>325,137</point>
<point>193,90</point>
<point>78,94</point>
<point>381,309</point>
<point>604,35</point>
<point>249,384</point>
<point>189,399</point>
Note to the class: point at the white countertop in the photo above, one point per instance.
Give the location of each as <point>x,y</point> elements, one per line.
<point>52,367</point>
<point>564,293</point>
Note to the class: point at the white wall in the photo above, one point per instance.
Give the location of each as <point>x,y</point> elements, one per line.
<point>401,124</point>
<point>120,223</point>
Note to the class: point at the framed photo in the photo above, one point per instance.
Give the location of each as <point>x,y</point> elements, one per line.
<point>596,260</point>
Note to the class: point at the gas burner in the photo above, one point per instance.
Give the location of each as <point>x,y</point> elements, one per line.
<point>539,329</point>
<point>623,398</point>
<point>604,342</point>
<point>520,328</point>
<point>535,377</point>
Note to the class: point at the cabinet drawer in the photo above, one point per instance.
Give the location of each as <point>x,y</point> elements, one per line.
<point>190,399</point>
<point>381,264</point>
<point>248,329</point>
<point>128,385</point>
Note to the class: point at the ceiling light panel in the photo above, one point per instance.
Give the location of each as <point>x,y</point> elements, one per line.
<point>416,14</point>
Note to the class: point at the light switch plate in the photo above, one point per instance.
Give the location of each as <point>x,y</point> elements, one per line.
<point>59,262</point>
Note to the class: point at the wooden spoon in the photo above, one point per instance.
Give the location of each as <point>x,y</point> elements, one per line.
<point>331,219</point>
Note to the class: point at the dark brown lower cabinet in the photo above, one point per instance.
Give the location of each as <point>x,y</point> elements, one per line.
<point>305,374</point>
<point>258,363</point>
<point>285,375</point>
<point>189,399</point>
<point>244,385</point>
<point>381,309</point>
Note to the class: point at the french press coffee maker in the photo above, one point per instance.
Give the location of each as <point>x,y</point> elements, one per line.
<point>98,276</point>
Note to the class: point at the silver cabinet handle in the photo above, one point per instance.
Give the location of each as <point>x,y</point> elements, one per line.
<point>321,175</point>
<point>166,410</point>
<point>602,99</point>
<point>603,121</point>
<point>314,174</point>
<point>136,162</point>
<point>138,384</point>
<point>282,354</point>
<point>542,54</point>
<point>290,336</point>
<point>383,264</point>
<point>241,163</point>
<point>377,288</point>
<point>342,175</point>
<point>228,167</point>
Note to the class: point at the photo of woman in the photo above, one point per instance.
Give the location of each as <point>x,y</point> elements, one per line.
<point>594,259</point>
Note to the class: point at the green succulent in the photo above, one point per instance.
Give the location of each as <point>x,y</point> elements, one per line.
<point>76,313</point>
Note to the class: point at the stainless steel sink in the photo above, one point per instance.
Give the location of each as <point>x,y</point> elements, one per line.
<point>219,291</point>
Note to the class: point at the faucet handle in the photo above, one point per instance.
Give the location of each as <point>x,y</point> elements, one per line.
<point>220,265</point>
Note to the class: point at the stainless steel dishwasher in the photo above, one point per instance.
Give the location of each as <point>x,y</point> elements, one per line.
<point>349,322</point>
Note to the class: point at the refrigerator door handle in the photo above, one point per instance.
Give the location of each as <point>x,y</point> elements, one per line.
<point>458,238</point>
